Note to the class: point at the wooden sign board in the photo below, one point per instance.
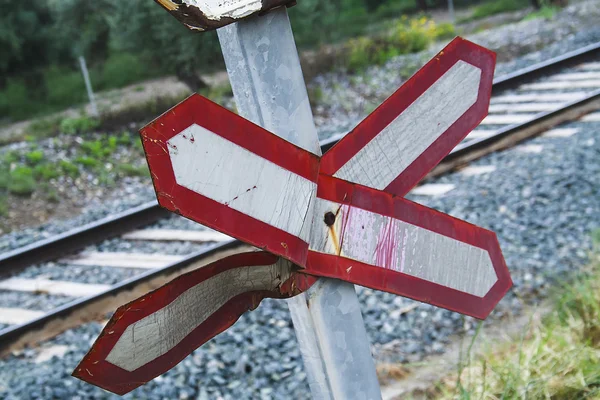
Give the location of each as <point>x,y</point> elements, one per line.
<point>205,15</point>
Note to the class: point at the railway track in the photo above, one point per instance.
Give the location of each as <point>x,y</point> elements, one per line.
<point>524,104</point>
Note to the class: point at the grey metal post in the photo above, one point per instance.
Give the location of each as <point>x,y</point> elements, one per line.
<point>269,90</point>
<point>88,86</point>
<point>451,10</point>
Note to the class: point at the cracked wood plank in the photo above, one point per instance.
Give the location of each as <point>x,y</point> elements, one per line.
<point>405,137</point>
<point>221,170</point>
<point>388,243</point>
<point>203,15</point>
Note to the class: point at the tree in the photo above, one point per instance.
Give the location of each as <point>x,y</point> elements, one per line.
<point>164,41</point>
<point>24,39</point>
<point>83,28</point>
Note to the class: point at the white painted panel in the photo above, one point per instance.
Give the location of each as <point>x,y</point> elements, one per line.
<point>576,76</point>
<point>229,174</point>
<point>594,117</point>
<point>400,143</point>
<point>531,148</point>
<point>559,85</point>
<point>541,97</point>
<point>390,243</point>
<point>432,189</point>
<point>217,9</point>
<point>474,170</point>
<point>60,288</point>
<point>159,332</point>
<point>177,235</point>
<point>527,107</point>
<point>507,119</point>
<point>18,316</point>
<point>560,132</point>
<point>123,260</point>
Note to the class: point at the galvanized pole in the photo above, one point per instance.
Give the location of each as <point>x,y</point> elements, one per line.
<point>269,90</point>
<point>451,10</point>
<point>88,86</point>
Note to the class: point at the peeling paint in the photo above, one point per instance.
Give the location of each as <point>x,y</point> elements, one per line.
<point>203,15</point>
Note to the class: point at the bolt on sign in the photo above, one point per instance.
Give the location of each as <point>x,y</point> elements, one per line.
<point>342,215</point>
<point>204,15</point>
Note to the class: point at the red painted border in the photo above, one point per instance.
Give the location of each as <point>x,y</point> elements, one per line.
<point>376,201</point>
<point>96,370</point>
<point>196,109</point>
<point>458,49</point>
<point>199,110</point>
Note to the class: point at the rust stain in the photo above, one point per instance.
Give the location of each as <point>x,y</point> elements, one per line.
<point>284,245</point>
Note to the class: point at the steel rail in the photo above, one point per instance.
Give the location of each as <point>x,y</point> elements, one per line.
<point>535,71</point>
<point>78,311</point>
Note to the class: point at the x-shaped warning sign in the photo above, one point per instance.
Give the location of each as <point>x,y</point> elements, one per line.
<point>342,216</point>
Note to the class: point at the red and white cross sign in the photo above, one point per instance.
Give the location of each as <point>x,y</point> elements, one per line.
<point>341,215</point>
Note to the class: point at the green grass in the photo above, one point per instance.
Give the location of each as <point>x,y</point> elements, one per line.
<point>82,124</point>
<point>495,7</point>
<point>406,36</point>
<point>545,12</point>
<point>21,181</point>
<point>34,157</point>
<point>132,170</point>
<point>62,88</point>
<point>557,357</point>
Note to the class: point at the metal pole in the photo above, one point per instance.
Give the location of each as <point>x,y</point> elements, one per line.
<point>451,10</point>
<point>88,86</point>
<point>269,90</point>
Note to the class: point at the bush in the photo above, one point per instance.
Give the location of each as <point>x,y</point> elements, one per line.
<point>64,88</point>
<point>413,37</point>
<point>361,53</point>
<point>407,36</point>
<point>34,157</point>
<point>123,69</point>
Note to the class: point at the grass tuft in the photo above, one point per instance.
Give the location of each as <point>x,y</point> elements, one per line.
<point>558,357</point>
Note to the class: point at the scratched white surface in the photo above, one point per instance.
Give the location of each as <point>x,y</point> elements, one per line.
<point>229,174</point>
<point>400,143</point>
<point>156,334</point>
<point>393,244</point>
<point>217,9</point>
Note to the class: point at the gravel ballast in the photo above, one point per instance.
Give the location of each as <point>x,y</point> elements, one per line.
<point>543,207</point>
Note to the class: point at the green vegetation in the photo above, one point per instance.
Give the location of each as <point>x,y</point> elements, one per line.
<point>34,157</point>
<point>21,181</point>
<point>72,126</point>
<point>556,358</point>
<point>23,172</point>
<point>545,12</point>
<point>40,44</point>
<point>406,36</point>
<point>498,6</point>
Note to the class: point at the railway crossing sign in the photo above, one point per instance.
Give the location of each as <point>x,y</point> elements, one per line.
<point>342,215</point>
